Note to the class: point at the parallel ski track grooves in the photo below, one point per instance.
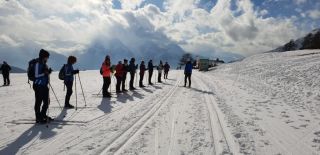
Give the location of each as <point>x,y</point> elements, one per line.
<point>91,123</point>
<point>218,117</point>
<point>143,120</point>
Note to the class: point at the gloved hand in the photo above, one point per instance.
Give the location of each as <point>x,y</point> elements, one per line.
<point>76,71</point>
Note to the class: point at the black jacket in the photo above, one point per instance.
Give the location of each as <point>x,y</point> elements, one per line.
<point>5,68</point>
<point>150,67</point>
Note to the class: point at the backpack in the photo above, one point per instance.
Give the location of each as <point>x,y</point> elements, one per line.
<point>62,72</point>
<point>31,70</point>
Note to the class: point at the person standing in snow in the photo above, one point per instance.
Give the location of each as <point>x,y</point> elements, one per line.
<point>166,70</point>
<point>40,87</point>
<point>68,79</point>
<point>187,73</point>
<point>150,69</point>
<point>106,74</point>
<point>142,70</point>
<point>119,75</point>
<point>132,69</point>
<point>5,68</point>
<point>160,68</point>
<point>124,76</point>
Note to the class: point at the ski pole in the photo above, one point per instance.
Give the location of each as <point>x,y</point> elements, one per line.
<point>75,84</point>
<point>99,92</point>
<point>110,84</point>
<point>48,110</point>
<point>84,98</point>
<point>55,95</point>
<point>136,80</point>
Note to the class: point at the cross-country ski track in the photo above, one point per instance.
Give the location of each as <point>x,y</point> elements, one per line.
<point>265,104</point>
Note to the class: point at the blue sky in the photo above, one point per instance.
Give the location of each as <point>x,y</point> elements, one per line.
<point>209,27</point>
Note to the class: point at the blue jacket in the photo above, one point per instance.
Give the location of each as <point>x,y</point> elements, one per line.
<point>188,68</point>
<point>69,72</point>
<point>41,79</point>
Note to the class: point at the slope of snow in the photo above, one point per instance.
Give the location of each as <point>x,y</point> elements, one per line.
<point>265,104</point>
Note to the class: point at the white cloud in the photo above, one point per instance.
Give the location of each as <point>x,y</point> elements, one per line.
<point>298,2</point>
<point>66,26</point>
<point>314,14</point>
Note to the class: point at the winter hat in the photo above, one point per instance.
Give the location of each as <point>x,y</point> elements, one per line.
<point>43,54</point>
<point>132,60</point>
<point>125,60</point>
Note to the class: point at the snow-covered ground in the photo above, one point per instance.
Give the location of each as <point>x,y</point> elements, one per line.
<point>265,104</point>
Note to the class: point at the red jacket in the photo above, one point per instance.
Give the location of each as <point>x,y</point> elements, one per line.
<point>119,70</point>
<point>106,71</point>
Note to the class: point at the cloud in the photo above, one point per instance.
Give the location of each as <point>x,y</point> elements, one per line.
<point>298,2</point>
<point>196,25</point>
<point>314,14</point>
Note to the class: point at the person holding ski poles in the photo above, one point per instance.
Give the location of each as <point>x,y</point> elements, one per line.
<point>160,68</point>
<point>142,70</point>
<point>187,73</point>
<point>5,68</point>
<point>105,71</point>
<point>166,70</point>
<point>132,69</point>
<point>124,75</point>
<point>68,79</point>
<point>150,69</point>
<point>119,75</point>
<point>40,86</point>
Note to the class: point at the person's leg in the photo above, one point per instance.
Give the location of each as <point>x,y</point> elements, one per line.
<point>185,79</point>
<point>124,83</point>
<point>150,77</point>
<point>118,83</point>
<point>104,87</point>
<point>37,94</point>
<point>131,80</point>
<point>68,94</point>
<point>4,79</point>
<point>45,100</point>
<point>8,79</point>
<point>189,80</point>
<point>108,84</point>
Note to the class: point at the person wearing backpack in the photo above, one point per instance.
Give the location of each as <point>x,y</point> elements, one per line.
<point>40,79</point>
<point>106,74</point>
<point>5,68</point>
<point>160,68</point>
<point>69,73</point>
<point>142,70</point>
<point>119,75</point>
<point>124,76</point>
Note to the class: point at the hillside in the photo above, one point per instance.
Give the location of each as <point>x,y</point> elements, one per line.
<point>16,69</point>
<point>310,41</point>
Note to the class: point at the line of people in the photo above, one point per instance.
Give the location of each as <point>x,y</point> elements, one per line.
<point>121,70</point>
<point>39,72</point>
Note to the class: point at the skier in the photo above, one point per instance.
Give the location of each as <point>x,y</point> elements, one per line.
<point>142,70</point>
<point>119,75</point>
<point>5,68</point>
<point>124,75</point>
<point>68,79</point>
<point>106,74</point>
<point>132,70</point>
<point>187,73</point>
<point>160,68</point>
<point>40,87</point>
<point>166,70</point>
<point>150,69</point>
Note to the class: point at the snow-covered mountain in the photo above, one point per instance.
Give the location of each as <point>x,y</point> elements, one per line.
<point>16,69</point>
<point>310,41</point>
<point>95,54</point>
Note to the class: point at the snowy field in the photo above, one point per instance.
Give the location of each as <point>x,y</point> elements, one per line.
<point>267,104</point>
